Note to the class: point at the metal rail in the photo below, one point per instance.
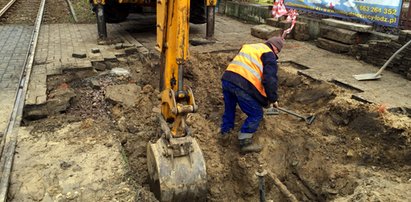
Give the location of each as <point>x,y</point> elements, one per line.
<point>8,5</point>
<point>10,135</point>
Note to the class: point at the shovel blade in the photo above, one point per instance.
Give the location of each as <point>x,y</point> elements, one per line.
<point>272,111</point>
<point>366,77</point>
<point>310,119</point>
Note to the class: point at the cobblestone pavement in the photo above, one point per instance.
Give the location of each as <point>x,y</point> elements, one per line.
<point>57,43</point>
<point>14,41</point>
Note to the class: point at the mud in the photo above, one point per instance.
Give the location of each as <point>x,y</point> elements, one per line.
<point>350,150</point>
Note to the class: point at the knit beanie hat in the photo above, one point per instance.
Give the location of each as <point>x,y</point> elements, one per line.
<point>278,42</point>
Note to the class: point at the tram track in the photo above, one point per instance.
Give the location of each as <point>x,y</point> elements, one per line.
<point>9,139</point>
<point>5,6</point>
<point>19,12</point>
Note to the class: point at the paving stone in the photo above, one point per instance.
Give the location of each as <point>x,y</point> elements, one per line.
<point>79,55</point>
<point>265,31</point>
<point>95,50</point>
<point>333,46</point>
<point>130,51</point>
<point>119,46</point>
<point>346,25</point>
<point>100,66</point>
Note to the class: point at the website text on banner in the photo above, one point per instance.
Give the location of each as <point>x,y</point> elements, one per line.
<point>380,12</point>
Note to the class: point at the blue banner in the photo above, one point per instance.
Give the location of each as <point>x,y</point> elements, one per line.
<point>380,12</point>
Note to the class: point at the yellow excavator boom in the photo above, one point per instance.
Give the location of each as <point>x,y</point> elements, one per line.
<point>175,162</point>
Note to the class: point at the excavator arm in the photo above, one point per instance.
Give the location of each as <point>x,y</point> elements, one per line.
<point>176,166</point>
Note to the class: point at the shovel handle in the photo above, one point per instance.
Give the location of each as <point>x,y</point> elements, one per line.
<point>291,112</point>
<point>391,58</point>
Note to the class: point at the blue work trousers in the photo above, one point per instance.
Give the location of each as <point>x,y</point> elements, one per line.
<point>248,104</point>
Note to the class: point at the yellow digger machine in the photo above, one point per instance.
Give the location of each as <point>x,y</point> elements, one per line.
<point>176,166</point>
<point>115,11</point>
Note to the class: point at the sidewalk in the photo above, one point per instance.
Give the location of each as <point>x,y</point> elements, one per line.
<point>14,41</point>
<point>391,90</point>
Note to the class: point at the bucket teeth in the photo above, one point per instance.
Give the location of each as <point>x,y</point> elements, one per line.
<point>177,170</point>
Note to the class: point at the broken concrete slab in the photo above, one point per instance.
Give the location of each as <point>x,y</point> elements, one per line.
<point>333,46</point>
<point>126,94</point>
<point>346,25</point>
<point>99,66</point>
<point>265,31</point>
<point>340,35</point>
<point>58,101</point>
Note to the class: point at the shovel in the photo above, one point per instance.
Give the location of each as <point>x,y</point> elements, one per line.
<point>273,111</point>
<point>372,76</point>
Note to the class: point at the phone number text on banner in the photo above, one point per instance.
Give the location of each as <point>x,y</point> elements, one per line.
<point>381,12</point>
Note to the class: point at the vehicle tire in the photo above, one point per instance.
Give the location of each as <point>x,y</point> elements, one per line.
<point>198,12</point>
<point>115,13</point>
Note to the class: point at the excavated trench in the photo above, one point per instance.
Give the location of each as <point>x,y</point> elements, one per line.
<point>348,141</point>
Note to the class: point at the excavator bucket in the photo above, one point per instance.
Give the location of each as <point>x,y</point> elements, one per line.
<point>177,170</point>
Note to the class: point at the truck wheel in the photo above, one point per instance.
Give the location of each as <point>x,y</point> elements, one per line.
<point>116,13</point>
<point>198,12</point>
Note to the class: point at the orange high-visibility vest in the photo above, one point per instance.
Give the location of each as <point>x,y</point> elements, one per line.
<point>248,64</point>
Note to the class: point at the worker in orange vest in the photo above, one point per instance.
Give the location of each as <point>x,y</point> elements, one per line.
<point>251,81</point>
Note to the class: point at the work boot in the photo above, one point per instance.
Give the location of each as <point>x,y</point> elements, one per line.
<point>247,146</point>
<point>224,138</point>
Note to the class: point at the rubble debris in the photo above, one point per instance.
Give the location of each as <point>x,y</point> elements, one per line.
<point>130,51</point>
<point>100,66</point>
<point>125,94</point>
